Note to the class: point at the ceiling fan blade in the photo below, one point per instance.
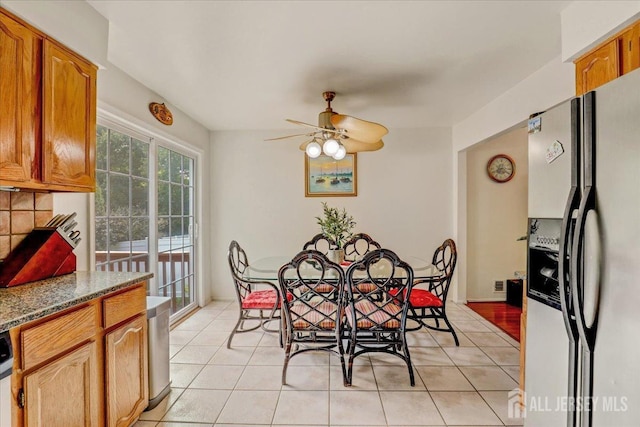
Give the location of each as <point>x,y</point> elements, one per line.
<point>359,129</point>
<point>355,146</point>
<point>289,136</point>
<point>296,122</point>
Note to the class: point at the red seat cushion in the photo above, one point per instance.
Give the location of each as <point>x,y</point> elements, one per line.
<point>421,298</point>
<point>263,300</point>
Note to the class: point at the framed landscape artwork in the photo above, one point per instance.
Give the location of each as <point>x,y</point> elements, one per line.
<point>326,177</point>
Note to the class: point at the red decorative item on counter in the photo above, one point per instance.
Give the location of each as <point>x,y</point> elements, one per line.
<point>46,252</point>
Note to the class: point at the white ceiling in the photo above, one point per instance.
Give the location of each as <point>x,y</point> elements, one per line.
<point>405,64</point>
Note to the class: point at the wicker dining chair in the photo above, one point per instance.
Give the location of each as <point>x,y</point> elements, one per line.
<point>312,318</point>
<point>376,320</point>
<point>431,303</point>
<point>253,296</point>
<point>358,246</point>
<point>320,243</point>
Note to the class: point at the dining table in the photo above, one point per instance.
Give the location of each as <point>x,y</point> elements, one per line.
<point>266,269</point>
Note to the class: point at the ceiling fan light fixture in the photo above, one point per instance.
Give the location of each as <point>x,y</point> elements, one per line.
<point>330,147</point>
<point>313,149</point>
<point>341,153</point>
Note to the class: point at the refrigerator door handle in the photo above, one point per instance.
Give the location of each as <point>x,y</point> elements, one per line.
<point>591,270</point>
<point>585,277</point>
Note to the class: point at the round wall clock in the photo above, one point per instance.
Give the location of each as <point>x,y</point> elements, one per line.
<point>501,168</point>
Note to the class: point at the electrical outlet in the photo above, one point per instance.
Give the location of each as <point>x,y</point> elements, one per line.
<point>498,286</point>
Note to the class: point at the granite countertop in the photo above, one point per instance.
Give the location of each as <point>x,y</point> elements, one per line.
<point>24,303</point>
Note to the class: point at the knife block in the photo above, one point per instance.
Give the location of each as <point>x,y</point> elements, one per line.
<point>46,252</point>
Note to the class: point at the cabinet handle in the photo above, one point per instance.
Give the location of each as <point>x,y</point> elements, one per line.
<point>20,398</point>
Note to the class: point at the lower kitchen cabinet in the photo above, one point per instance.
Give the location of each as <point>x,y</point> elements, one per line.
<point>84,366</point>
<point>126,372</point>
<point>62,392</point>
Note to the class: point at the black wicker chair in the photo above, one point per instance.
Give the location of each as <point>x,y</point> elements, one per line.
<point>377,318</point>
<point>431,303</point>
<point>320,243</point>
<point>358,246</point>
<point>251,299</point>
<point>312,318</point>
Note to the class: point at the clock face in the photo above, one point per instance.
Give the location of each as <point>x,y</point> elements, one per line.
<point>501,168</point>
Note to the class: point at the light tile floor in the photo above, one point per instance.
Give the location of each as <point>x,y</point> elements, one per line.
<point>455,386</point>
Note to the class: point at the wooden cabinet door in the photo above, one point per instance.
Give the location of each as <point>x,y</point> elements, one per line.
<point>634,47</point>
<point>69,119</point>
<point>126,372</point>
<point>597,68</point>
<point>64,392</point>
<point>19,100</point>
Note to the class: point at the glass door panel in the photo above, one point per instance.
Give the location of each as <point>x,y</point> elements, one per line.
<point>176,243</point>
<point>121,202</point>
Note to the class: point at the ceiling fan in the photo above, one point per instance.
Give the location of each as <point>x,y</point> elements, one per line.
<point>338,134</point>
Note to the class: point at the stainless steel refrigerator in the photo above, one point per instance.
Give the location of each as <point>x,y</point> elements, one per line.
<point>583,356</point>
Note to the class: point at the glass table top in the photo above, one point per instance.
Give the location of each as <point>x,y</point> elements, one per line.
<point>267,268</point>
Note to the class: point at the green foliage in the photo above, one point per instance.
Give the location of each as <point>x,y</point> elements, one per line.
<point>336,225</point>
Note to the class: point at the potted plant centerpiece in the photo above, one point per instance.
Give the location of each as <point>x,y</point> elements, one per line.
<point>336,225</point>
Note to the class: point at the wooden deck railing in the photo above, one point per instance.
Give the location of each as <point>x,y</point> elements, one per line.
<point>173,272</point>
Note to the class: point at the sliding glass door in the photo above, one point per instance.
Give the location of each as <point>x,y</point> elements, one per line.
<point>145,212</point>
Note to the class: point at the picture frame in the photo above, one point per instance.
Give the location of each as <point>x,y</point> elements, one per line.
<point>326,177</point>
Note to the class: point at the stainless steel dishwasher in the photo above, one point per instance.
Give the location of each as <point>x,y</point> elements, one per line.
<point>6,365</point>
<point>158,311</point>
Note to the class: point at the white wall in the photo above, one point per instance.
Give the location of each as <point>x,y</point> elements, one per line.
<point>496,216</point>
<point>550,85</point>
<point>257,188</point>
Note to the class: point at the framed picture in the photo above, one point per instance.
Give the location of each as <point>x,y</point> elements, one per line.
<point>326,177</point>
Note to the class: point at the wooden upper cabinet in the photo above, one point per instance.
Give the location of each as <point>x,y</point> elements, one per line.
<point>69,118</point>
<point>20,51</point>
<point>617,56</point>
<point>47,111</point>
<point>597,68</point>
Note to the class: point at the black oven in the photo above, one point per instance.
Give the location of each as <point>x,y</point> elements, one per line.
<point>542,269</point>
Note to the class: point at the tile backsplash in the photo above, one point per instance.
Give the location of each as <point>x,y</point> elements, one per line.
<point>19,213</point>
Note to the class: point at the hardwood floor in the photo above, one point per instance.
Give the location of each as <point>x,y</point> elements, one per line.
<point>501,314</point>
